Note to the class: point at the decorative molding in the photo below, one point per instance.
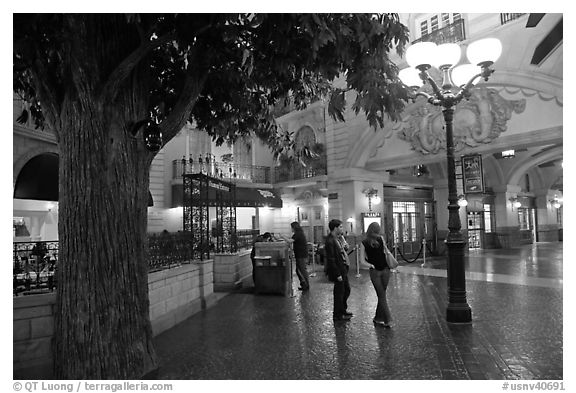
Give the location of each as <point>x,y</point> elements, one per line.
<point>479,120</point>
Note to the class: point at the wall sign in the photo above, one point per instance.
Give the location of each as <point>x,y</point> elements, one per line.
<point>370,217</point>
<point>472,174</point>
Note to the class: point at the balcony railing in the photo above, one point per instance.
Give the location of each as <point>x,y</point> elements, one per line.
<point>505,18</point>
<point>34,263</point>
<point>232,171</point>
<point>288,173</point>
<point>452,33</point>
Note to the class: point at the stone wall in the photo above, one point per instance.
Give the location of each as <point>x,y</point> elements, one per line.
<point>231,270</point>
<point>174,294</point>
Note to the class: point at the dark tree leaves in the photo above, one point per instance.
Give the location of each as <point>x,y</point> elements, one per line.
<point>248,64</point>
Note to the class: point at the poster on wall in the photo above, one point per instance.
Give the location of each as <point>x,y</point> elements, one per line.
<point>369,218</point>
<point>472,175</point>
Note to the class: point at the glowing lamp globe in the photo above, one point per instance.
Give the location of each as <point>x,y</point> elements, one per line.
<point>484,51</point>
<point>410,77</point>
<point>463,73</point>
<point>421,54</point>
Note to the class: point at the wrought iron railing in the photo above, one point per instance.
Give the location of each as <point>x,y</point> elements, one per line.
<point>453,32</point>
<point>225,171</point>
<point>246,238</point>
<point>34,266</point>
<point>288,173</point>
<point>505,18</point>
<point>168,250</point>
<point>35,263</point>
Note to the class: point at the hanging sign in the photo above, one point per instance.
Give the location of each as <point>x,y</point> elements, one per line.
<point>472,174</point>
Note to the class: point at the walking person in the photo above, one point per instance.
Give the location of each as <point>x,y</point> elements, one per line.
<point>375,253</point>
<point>301,255</point>
<point>338,266</point>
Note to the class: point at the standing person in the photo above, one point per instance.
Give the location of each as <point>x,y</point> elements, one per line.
<point>379,271</point>
<point>301,255</point>
<point>338,266</point>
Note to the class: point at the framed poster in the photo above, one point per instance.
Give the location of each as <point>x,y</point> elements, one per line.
<point>472,174</point>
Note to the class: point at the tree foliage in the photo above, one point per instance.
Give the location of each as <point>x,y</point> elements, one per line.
<point>243,63</point>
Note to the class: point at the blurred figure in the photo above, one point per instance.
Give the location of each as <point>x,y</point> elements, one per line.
<point>301,255</point>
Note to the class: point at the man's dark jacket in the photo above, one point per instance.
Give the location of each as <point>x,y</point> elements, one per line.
<point>335,260</point>
<point>300,245</point>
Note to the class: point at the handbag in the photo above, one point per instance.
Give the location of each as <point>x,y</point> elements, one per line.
<point>390,260</point>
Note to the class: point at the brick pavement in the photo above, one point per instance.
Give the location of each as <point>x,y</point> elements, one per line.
<point>516,332</point>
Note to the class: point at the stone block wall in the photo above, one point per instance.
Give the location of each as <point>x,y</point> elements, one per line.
<point>33,325</point>
<point>231,270</point>
<point>174,294</point>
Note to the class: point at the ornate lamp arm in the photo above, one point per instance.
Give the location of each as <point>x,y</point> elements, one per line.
<point>431,99</point>
<point>426,78</point>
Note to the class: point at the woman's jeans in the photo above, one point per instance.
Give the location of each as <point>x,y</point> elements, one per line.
<point>380,280</point>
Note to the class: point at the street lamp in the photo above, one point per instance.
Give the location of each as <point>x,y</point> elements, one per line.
<point>421,57</point>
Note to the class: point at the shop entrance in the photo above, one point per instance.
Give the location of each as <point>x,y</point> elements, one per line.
<point>410,223</point>
<point>475,229</point>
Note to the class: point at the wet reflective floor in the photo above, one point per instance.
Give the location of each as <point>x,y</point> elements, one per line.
<point>516,332</point>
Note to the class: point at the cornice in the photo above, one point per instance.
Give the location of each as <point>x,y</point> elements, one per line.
<point>27,132</point>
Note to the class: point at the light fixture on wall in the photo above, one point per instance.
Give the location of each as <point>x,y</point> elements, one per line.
<point>556,202</point>
<point>462,201</point>
<point>372,195</point>
<point>456,85</point>
<point>351,220</point>
<point>508,154</point>
<point>515,202</point>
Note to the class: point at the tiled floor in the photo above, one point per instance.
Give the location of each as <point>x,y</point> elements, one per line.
<point>516,333</point>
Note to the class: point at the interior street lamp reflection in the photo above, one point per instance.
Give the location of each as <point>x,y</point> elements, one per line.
<point>456,85</point>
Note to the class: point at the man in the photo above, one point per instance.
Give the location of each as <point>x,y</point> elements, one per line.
<point>338,265</point>
<point>301,254</point>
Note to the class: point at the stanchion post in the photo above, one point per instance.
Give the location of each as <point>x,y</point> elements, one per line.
<point>357,261</point>
<point>313,274</point>
<point>424,251</point>
<point>291,279</point>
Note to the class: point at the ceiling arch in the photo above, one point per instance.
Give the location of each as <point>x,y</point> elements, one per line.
<point>525,165</point>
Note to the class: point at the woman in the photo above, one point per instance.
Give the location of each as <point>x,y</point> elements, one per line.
<point>379,272</point>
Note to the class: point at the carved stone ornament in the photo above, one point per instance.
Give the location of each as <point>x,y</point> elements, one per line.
<point>479,120</point>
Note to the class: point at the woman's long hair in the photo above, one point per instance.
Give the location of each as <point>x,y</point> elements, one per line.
<point>373,233</point>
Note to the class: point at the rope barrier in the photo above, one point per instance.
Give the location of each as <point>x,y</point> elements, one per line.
<point>403,257</point>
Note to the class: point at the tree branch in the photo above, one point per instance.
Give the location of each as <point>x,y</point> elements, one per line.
<point>181,112</point>
<point>127,65</point>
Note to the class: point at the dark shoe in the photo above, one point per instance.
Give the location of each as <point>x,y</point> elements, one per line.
<point>342,318</point>
<point>348,313</point>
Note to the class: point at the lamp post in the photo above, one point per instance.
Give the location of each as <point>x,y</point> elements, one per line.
<point>421,57</point>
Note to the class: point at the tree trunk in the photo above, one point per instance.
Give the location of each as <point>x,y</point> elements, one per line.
<point>102,326</point>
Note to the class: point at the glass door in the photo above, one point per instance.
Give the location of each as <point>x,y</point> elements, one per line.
<point>475,229</point>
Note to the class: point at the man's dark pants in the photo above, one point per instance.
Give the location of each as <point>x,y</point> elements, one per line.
<point>341,294</point>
